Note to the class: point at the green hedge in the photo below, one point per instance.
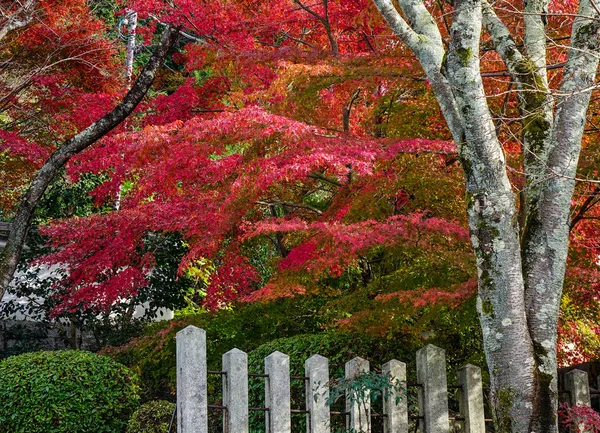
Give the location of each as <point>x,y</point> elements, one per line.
<point>246,327</point>
<point>65,392</point>
<point>338,348</point>
<point>153,417</point>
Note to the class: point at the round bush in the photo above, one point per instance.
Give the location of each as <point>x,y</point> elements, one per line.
<point>65,391</point>
<point>153,417</point>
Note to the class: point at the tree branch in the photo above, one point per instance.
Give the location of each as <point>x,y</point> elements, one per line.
<point>586,206</point>
<point>12,252</point>
<point>290,204</point>
<point>19,19</point>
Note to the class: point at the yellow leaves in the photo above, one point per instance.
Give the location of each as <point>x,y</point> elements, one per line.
<point>200,270</point>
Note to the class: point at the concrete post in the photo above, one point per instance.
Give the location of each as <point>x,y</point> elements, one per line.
<point>235,392</point>
<point>277,393</point>
<point>471,398</point>
<point>433,395</point>
<point>192,406</point>
<point>576,382</point>
<point>316,368</point>
<point>359,406</point>
<point>397,412</point>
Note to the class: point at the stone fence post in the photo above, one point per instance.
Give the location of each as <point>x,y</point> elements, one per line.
<point>277,393</point>
<point>396,404</point>
<point>359,406</point>
<point>576,382</point>
<point>471,398</point>
<point>433,393</point>
<point>192,403</point>
<point>316,369</point>
<point>235,392</point>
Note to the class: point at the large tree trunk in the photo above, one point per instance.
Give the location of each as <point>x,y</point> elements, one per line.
<point>494,231</point>
<point>520,280</point>
<point>9,259</point>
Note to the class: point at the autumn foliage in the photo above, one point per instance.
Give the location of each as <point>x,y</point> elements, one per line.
<point>294,147</point>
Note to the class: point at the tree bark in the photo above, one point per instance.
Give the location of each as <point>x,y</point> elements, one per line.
<point>19,19</point>
<point>520,280</point>
<point>11,254</point>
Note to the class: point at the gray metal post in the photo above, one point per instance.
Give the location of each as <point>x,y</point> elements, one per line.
<point>316,368</point>
<point>192,406</point>
<point>359,406</point>
<point>433,396</point>
<point>277,393</point>
<point>471,398</point>
<point>235,391</point>
<point>396,404</point>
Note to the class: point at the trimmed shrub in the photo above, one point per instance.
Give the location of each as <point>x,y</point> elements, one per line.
<point>65,392</point>
<point>153,417</point>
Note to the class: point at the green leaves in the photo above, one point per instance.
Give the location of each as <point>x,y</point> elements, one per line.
<point>366,387</point>
<point>65,392</point>
<point>153,417</point>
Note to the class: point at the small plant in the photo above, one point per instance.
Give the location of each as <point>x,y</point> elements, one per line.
<point>153,417</point>
<point>365,388</point>
<point>579,418</point>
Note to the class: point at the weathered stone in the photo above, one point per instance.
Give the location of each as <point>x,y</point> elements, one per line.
<point>235,391</point>
<point>359,406</point>
<point>576,382</point>
<point>316,368</point>
<point>395,406</point>
<point>192,408</point>
<point>471,398</point>
<point>277,393</point>
<point>433,395</point>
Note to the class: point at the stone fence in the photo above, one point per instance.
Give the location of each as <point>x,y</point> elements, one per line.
<point>193,402</point>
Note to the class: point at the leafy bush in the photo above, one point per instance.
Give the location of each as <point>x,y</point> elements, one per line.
<point>338,348</point>
<point>153,417</point>
<point>246,327</point>
<point>65,392</point>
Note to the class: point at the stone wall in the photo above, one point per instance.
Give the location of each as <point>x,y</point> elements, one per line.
<point>20,336</point>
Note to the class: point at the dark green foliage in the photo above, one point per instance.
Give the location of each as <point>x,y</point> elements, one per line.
<point>153,417</point>
<point>245,327</point>
<point>338,348</point>
<point>65,392</point>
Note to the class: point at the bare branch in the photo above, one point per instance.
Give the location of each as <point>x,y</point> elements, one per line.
<point>290,204</point>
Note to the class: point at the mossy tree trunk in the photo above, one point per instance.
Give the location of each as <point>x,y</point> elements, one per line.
<point>520,277</point>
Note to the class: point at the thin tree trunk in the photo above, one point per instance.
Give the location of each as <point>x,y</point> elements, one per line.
<point>11,254</point>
